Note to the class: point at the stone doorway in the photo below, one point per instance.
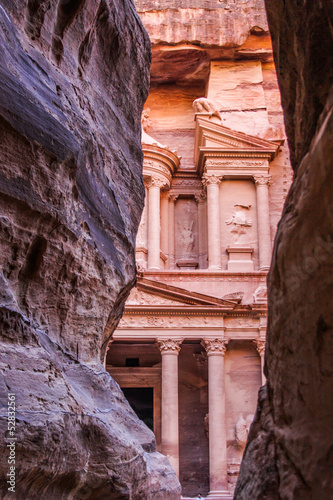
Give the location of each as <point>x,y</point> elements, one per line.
<point>141,400</point>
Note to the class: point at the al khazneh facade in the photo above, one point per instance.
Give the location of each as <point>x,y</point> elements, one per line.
<point>193,330</point>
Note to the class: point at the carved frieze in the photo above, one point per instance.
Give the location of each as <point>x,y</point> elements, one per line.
<point>170,321</point>
<point>236,163</point>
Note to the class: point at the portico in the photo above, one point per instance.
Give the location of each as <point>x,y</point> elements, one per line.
<point>190,331</point>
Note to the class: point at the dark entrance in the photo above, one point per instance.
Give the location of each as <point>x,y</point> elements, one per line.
<point>141,400</point>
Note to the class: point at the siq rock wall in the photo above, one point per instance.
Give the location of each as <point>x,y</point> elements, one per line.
<point>74,78</point>
<point>289,453</point>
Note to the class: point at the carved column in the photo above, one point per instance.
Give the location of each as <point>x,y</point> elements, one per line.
<point>172,200</point>
<point>260,346</point>
<point>142,236</point>
<point>170,424</point>
<point>154,245</point>
<point>217,418</point>
<point>214,230</point>
<point>165,223</point>
<point>264,232</point>
<point>201,201</point>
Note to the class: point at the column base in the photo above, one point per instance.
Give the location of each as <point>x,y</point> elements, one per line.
<point>264,268</point>
<point>219,495</point>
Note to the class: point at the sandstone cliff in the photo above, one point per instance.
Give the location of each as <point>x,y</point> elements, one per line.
<point>289,452</point>
<point>74,78</point>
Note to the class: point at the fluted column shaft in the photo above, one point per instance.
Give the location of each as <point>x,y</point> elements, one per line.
<point>170,419</point>
<point>213,207</point>
<point>217,418</point>
<point>264,231</point>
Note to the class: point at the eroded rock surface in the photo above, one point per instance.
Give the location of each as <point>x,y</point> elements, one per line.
<point>289,454</point>
<point>74,78</point>
<point>203,22</point>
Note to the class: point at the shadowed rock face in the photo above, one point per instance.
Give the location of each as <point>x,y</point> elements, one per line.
<point>74,78</point>
<point>289,453</point>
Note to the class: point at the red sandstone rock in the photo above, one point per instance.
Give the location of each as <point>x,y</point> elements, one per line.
<point>74,77</point>
<point>289,452</point>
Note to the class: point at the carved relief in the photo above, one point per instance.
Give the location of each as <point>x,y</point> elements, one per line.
<point>242,429</point>
<point>186,237</point>
<point>169,321</point>
<point>239,222</point>
<point>186,240</point>
<point>260,295</point>
<point>169,346</point>
<point>142,298</point>
<point>216,346</point>
<point>204,105</point>
<point>234,297</point>
<point>145,121</point>
<point>236,163</point>
<point>141,235</point>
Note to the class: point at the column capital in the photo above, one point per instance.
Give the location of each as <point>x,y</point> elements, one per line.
<point>169,346</point>
<point>200,198</point>
<point>208,179</point>
<point>156,182</point>
<point>215,347</point>
<point>260,346</point>
<point>173,197</point>
<point>262,180</point>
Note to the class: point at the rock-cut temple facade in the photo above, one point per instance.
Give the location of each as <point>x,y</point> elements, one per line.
<point>189,350</point>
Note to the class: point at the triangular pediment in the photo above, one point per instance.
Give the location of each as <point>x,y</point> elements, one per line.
<point>213,138</point>
<point>151,293</point>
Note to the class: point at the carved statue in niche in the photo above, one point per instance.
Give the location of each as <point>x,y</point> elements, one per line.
<point>140,237</point>
<point>145,121</point>
<point>242,429</point>
<point>239,222</point>
<point>204,105</point>
<point>186,239</point>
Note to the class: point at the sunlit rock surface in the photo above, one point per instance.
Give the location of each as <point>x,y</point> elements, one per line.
<point>289,453</point>
<point>74,78</point>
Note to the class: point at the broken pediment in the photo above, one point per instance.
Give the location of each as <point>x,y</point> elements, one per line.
<point>215,142</point>
<point>151,293</point>
<point>138,297</point>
